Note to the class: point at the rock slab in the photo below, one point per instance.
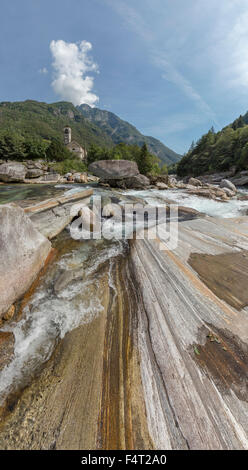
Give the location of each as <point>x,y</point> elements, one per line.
<point>23,253</point>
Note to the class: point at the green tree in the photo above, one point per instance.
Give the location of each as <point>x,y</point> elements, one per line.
<point>57,151</point>
<point>144,160</point>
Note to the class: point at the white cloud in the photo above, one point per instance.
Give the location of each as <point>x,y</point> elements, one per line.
<point>71,66</point>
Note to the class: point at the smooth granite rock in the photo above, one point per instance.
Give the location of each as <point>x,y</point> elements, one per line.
<point>23,253</point>
<point>12,172</point>
<point>114,169</point>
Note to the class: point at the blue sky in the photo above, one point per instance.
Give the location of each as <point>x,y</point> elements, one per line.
<point>170,67</point>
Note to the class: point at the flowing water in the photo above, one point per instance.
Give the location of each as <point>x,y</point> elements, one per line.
<point>52,312</point>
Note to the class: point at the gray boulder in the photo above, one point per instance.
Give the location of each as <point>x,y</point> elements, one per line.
<point>23,252</point>
<point>134,182</point>
<point>12,172</point>
<point>34,173</point>
<point>51,177</point>
<point>227,184</point>
<point>243,181</point>
<point>114,169</point>
<point>161,185</point>
<point>194,182</point>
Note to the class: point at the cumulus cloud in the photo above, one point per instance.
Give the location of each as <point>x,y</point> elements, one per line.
<point>71,64</point>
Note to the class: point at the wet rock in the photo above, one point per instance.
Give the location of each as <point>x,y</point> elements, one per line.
<point>227,184</point>
<point>161,186</point>
<point>243,198</point>
<point>23,254</point>
<point>7,341</point>
<point>12,172</point>
<point>208,193</point>
<point>114,169</point>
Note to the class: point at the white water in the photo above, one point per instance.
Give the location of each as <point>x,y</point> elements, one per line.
<point>153,197</point>
<point>214,208</point>
<point>48,317</point>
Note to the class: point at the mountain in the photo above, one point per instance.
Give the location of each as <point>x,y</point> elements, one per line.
<point>218,151</point>
<point>46,121</point>
<point>122,131</point>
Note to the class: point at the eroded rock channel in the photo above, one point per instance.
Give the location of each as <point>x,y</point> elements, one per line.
<point>127,345</point>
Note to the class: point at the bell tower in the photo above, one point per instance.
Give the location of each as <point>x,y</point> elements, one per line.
<point>67,135</point>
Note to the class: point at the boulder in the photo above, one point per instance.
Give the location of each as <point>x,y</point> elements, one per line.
<point>12,172</point>
<point>227,184</point>
<point>194,182</point>
<point>80,178</point>
<point>34,173</point>
<point>92,179</point>
<point>51,177</point>
<point>243,181</point>
<point>172,181</point>
<point>135,182</point>
<point>23,253</point>
<point>220,193</point>
<point>35,165</point>
<point>154,179</point>
<point>161,185</point>
<point>228,192</point>
<point>114,169</point>
<point>208,193</point>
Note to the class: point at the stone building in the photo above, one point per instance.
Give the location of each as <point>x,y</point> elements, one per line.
<point>72,145</point>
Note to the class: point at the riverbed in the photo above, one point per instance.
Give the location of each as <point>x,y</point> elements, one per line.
<point>86,299</point>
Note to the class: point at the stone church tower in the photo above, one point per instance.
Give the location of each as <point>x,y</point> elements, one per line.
<point>67,135</point>
<point>72,145</point>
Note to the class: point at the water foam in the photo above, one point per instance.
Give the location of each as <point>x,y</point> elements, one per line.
<point>49,316</point>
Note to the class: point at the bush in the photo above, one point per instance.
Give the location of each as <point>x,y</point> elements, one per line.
<point>68,165</point>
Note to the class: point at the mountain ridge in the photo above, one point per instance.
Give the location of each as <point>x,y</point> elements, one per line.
<point>120,130</point>
<point>40,120</point>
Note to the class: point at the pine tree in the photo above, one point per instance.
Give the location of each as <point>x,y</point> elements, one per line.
<point>144,160</point>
